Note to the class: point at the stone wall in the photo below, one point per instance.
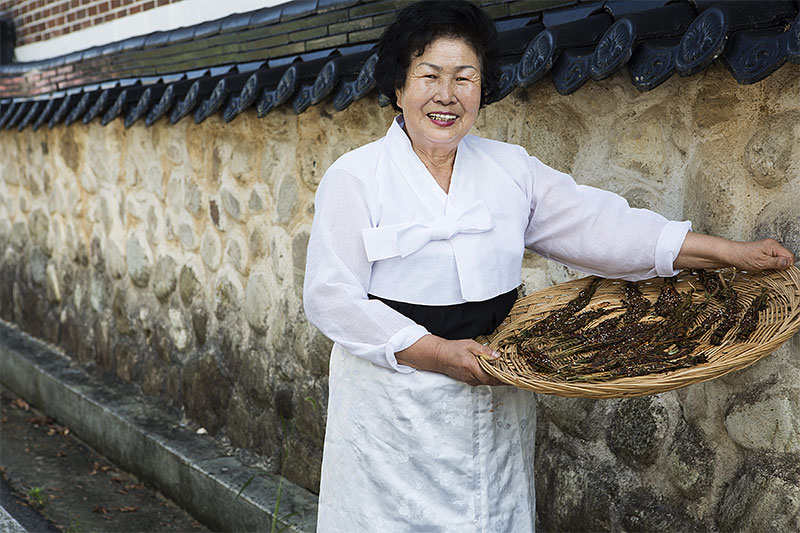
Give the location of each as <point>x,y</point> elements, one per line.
<point>173,257</point>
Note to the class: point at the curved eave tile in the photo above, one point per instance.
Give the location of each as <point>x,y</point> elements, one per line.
<point>589,40</point>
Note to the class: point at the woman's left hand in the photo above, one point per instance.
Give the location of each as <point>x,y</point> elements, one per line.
<point>707,251</point>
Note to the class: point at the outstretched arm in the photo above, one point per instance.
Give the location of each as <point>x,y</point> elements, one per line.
<point>707,251</point>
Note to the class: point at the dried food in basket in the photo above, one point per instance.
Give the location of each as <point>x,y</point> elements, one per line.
<point>606,338</point>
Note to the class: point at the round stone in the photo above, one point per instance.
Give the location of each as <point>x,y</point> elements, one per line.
<point>19,235</point>
<point>191,281</point>
<point>53,289</point>
<point>257,303</point>
<point>175,189</point>
<point>288,196</point>
<point>154,181</point>
<point>140,259</point>
<point>770,423</point>
<point>178,331</point>
<point>228,295</point>
<point>39,227</point>
<point>231,204</point>
<point>768,154</point>
<point>780,220</point>
<point>636,430</point>
<point>211,249</point>
<point>156,228</point>
<point>37,267</point>
<point>193,198</point>
<point>259,245</point>
<point>256,203</point>
<point>241,165</point>
<point>236,253</point>
<point>165,279</point>
<point>299,250</point>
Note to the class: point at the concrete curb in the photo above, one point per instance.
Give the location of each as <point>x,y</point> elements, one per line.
<point>190,469</point>
<point>8,524</point>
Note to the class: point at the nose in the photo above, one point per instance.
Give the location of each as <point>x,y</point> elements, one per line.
<point>445,91</point>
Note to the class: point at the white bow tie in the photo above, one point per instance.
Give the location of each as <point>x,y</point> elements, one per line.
<point>401,240</point>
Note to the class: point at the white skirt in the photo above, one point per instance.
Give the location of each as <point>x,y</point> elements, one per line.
<point>424,452</point>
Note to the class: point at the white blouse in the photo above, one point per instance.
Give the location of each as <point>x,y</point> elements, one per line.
<point>383,226</point>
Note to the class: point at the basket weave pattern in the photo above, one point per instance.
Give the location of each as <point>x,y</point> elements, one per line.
<point>777,323</point>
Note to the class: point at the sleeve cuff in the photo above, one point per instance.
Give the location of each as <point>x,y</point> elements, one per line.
<point>669,245</point>
<point>400,341</point>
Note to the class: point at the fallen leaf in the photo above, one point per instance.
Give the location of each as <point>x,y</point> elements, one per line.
<point>128,509</point>
<point>117,479</point>
<point>19,403</point>
<point>40,420</point>
<point>134,486</point>
<point>122,491</point>
<point>61,454</point>
<point>65,431</point>
<point>4,420</point>
<point>101,510</point>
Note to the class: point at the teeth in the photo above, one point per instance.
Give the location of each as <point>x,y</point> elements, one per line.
<point>442,116</point>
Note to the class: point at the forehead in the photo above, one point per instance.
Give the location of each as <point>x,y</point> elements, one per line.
<point>447,52</point>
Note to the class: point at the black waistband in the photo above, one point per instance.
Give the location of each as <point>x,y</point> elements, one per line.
<point>459,321</point>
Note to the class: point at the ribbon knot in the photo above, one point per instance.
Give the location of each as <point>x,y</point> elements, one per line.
<point>401,240</point>
<point>443,228</point>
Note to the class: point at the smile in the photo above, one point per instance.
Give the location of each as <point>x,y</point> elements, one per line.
<point>442,117</point>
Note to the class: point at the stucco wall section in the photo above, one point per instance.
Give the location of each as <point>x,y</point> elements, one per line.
<point>173,257</point>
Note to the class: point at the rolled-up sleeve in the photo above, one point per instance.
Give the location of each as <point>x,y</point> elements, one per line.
<point>596,231</point>
<point>338,273</point>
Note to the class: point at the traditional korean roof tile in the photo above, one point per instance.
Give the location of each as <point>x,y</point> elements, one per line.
<point>305,51</point>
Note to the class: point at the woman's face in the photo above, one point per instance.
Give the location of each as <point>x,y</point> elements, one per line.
<point>441,96</point>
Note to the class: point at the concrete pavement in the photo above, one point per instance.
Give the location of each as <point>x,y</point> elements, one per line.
<point>190,469</point>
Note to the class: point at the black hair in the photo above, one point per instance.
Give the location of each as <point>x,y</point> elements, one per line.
<point>419,24</point>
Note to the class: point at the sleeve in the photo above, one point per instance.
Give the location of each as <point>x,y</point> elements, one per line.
<point>338,274</point>
<point>596,231</point>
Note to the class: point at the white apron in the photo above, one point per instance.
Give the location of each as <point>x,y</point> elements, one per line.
<point>423,452</point>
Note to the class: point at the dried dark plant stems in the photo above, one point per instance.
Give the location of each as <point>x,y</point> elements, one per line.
<point>730,314</point>
<point>749,321</point>
<point>639,337</point>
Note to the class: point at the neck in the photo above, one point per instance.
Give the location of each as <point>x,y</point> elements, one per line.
<point>439,164</point>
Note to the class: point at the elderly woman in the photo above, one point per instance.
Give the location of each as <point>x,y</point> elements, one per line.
<point>415,249</point>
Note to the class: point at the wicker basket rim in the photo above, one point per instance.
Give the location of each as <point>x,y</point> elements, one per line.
<point>782,321</point>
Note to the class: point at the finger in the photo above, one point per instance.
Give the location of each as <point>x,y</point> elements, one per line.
<point>783,257</point>
<point>483,351</point>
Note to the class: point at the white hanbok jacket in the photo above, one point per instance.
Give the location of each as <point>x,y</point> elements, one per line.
<point>409,450</point>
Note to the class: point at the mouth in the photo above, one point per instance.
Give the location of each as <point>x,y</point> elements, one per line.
<point>443,119</point>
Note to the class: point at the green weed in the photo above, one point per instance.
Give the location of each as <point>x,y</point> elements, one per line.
<point>36,497</point>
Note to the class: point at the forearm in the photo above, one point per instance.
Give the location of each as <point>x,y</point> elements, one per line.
<point>705,251</point>
<point>708,251</point>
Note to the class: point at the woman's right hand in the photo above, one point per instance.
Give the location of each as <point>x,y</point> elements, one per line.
<point>454,358</point>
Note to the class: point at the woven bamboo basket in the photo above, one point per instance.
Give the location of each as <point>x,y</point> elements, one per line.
<point>777,323</point>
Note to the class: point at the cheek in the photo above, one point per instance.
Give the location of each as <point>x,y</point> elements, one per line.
<point>471,98</point>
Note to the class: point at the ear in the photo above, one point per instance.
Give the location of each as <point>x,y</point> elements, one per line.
<point>398,92</point>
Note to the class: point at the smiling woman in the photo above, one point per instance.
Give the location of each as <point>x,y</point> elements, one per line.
<point>416,249</point>
<point>440,100</point>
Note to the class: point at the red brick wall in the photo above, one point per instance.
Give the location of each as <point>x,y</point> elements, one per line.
<point>39,20</point>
